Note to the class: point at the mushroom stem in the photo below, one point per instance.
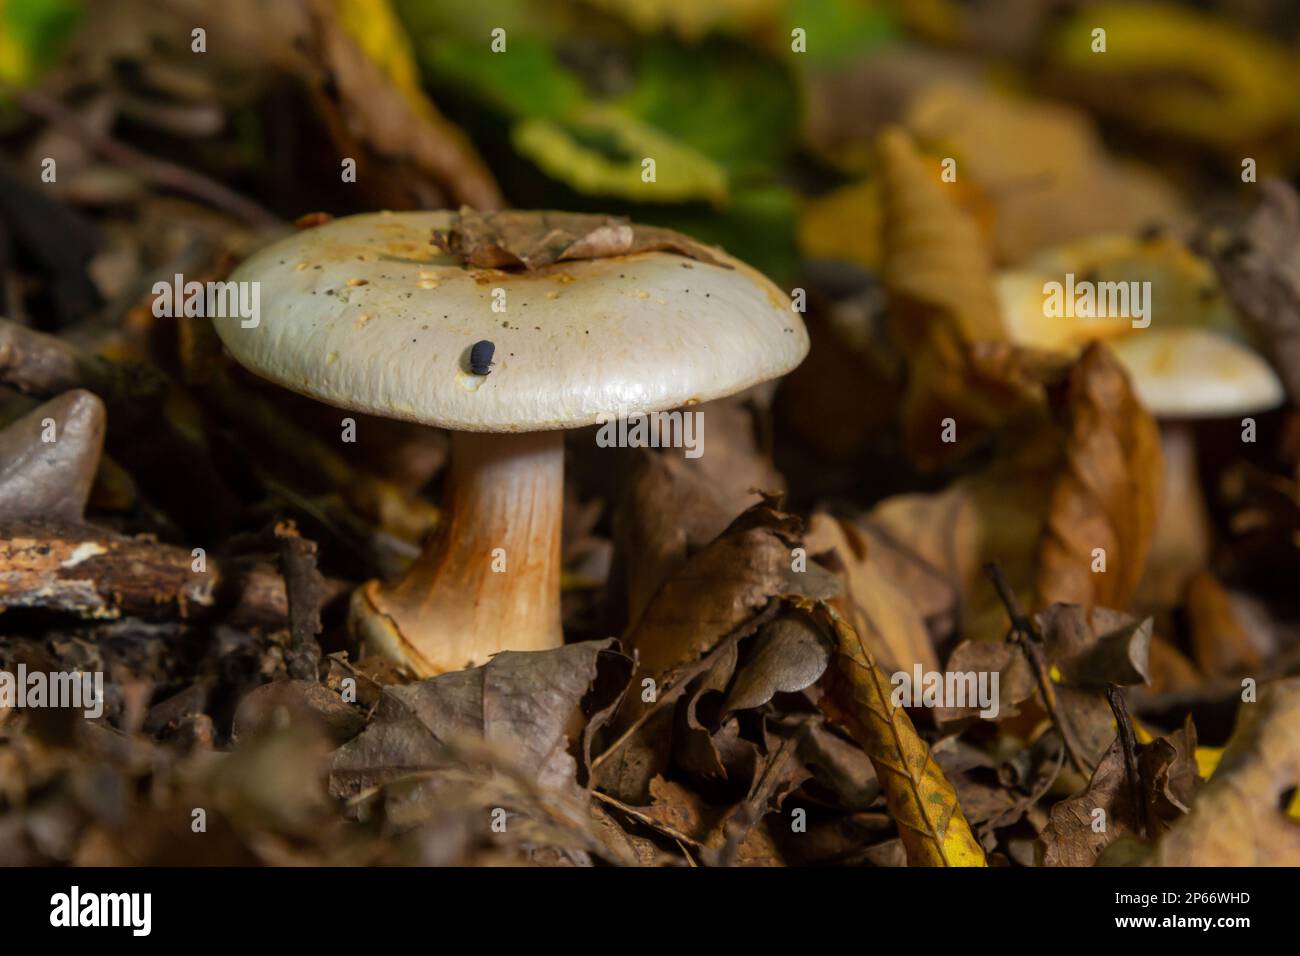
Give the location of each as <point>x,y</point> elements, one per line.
<point>489,578</point>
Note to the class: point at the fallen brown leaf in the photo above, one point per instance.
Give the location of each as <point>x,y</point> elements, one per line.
<point>723,586</point>
<point>510,240</point>
<point>1106,497</point>
<point>1220,644</point>
<point>1236,819</point>
<point>945,313</point>
<point>1260,269</point>
<point>877,606</point>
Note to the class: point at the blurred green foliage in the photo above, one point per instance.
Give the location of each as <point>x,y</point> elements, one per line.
<point>32,34</point>
<point>568,114</point>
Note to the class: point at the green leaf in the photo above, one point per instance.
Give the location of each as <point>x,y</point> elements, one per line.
<point>32,33</point>
<point>602,154</point>
<point>838,31</point>
<point>757,225</point>
<point>526,82</point>
<point>730,103</point>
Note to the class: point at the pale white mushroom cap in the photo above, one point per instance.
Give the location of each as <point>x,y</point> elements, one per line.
<point>1192,373</point>
<point>366,313</point>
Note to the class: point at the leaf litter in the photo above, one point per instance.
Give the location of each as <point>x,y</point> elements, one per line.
<point>736,624</point>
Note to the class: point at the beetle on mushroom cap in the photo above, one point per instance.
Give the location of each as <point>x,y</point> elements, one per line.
<point>374,312</point>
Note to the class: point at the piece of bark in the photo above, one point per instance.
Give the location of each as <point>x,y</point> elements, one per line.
<point>94,573</point>
<point>306,593</point>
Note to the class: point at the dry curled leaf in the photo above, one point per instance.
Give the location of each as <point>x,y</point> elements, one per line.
<point>673,506</point>
<point>722,587</point>
<point>1260,270</point>
<point>787,655</point>
<point>1220,644</point>
<point>1082,826</point>
<point>1236,819</point>
<point>879,609</point>
<point>991,515</point>
<point>1088,650</point>
<point>523,702</point>
<point>510,240</point>
<point>1105,499</point>
<point>945,311</point>
<point>919,796</point>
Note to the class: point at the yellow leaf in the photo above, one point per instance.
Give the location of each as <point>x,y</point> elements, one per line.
<point>559,152</point>
<point>1235,820</point>
<point>1180,72</point>
<point>844,224</point>
<point>1063,188</point>
<point>1207,760</point>
<point>919,796</point>
<point>375,28</point>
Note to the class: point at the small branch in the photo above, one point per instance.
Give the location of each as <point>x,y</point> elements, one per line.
<point>94,573</point>
<point>306,592</point>
<point>1115,695</point>
<point>1030,641</point>
<point>649,821</point>
<point>1018,619</point>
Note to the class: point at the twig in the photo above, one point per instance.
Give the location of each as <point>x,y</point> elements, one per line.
<point>305,589</point>
<point>647,820</point>
<point>1030,641</point>
<point>1129,745</point>
<point>160,172</point>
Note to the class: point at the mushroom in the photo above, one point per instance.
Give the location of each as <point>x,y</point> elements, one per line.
<point>1184,375</point>
<point>370,313</point>
<point>1190,373</point>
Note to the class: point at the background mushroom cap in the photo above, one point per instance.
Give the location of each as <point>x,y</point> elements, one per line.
<point>1192,373</point>
<point>366,313</point>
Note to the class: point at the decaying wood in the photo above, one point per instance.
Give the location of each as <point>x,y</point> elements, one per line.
<point>306,592</point>
<point>94,573</point>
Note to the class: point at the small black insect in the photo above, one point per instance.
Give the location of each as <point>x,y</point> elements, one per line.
<point>480,357</point>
